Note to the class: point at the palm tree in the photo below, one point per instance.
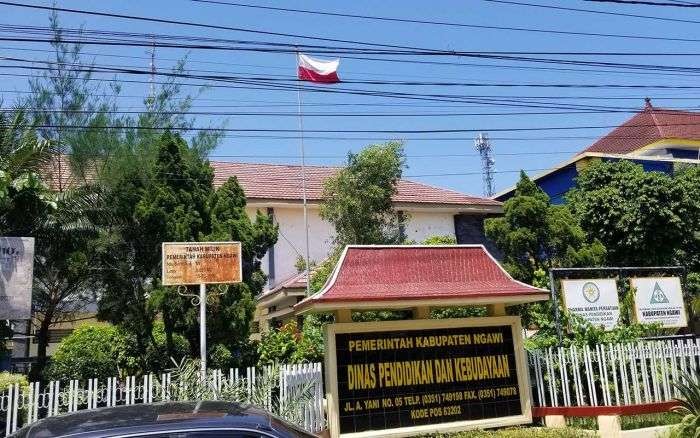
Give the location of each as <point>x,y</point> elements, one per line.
<point>23,156</point>
<point>62,222</point>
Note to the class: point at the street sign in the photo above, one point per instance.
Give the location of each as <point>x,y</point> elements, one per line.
<point>190,263</point>
<point>659,300</point>
<point>594,300</point>
<point>16,275</point>
<point>401,378</point>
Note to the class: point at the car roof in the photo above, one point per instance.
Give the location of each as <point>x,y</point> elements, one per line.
<point>165,416</point>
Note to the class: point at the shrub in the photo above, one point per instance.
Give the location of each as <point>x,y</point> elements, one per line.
<point>289,345</point>
<point>688,407</point>
<point>156,359</point>
<point>7,379</point>
<point>106,351</point>
<point>87,352</point>
<point>279,345</point>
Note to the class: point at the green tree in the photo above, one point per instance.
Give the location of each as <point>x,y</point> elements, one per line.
<point>357,200</point>
<point>23,195</point>
<point>233,311</point>
<point>177,202</point>
<point>169,205</point>
<point>535,235</point>
<point>61,223</point>
<point>642,218</point>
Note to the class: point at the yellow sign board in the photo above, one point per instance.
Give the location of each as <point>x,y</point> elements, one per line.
<point>186,263</point>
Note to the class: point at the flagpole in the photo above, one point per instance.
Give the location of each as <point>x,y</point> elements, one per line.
<point>303,182</point>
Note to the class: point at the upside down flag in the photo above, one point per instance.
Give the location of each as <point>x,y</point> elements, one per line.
<point>317,70</point>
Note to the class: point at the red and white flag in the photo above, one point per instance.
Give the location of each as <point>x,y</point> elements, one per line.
<point>317,70</point>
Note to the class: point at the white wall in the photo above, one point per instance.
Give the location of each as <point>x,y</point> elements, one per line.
<point>421,225</point>
<point>291,239</point>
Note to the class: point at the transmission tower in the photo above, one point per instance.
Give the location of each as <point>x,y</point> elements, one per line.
<point>152,78</point>
<point>483,145</point>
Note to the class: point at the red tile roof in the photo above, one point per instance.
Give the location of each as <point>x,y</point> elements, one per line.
<point>401,273</point>
<point>648,126</point>
<point>283,182</point>
<point>297,281</point>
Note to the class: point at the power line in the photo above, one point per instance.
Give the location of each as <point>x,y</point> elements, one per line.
<point>477,65</point>
<point>641,2</point>
<point>593,11</point>
<point>338,114</point>
<point>441,23</point>
<point>360,131</point>
<point>194,24</point>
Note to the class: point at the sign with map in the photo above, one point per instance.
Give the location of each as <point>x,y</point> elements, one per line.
<point>594,300</point>
<point>425,376</point>
<point>16,276</point>
<point>659,300</point>
<point>187,263</point>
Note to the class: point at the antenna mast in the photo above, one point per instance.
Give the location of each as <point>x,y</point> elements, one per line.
<point>152,79</point>
<point>483,145</point>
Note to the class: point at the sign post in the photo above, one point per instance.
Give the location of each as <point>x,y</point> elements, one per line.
<point>202,263</point>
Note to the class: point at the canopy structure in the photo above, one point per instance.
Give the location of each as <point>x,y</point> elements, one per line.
<point>418,276</point>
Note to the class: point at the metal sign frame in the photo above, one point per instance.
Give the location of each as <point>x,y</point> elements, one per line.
<point>556,274</point>
<point>240,261</point>
<point>523,378</point>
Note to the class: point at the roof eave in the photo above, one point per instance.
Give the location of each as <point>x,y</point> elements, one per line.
<point>309,306</point>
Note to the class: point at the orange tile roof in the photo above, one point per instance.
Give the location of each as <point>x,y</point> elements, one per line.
<point>648,126</point>
<point>283,182</point>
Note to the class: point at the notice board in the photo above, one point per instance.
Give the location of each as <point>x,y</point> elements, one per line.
<point>187,263</point>
<point>593,299</point>
<point>16,277</point>
<point>659,300</point>
<point>417,376</point>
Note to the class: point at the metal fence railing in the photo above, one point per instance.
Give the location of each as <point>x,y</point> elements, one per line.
<point>21,406</point>
<point>612,374</point>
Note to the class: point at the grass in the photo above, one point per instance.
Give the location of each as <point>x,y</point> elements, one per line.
<point>627,422</point>
<point>520,432</point>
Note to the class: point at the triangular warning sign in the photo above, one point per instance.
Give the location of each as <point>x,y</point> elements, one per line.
<point>658,296</point>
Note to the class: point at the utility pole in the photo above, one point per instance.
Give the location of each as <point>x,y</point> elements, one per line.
<point>483,145</point>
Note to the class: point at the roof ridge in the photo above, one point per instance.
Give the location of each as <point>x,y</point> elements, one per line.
<point>656,120</point>
<point>276,164</point>
<point>443,188</point>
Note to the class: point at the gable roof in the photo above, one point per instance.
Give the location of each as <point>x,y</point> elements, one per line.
<point>648,126</point>
<point>379,276</point>
<point>283,182</point>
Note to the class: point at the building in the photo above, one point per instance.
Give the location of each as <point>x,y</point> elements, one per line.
<point>658,139</point>
<point>277,190</point>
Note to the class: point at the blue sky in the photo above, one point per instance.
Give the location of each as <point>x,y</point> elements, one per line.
<point>447,160</point>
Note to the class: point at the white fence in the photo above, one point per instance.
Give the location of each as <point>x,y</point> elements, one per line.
<point>19,407</point>
<point>611,375</point>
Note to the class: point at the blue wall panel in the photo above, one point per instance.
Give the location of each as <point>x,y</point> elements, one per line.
<point>557,183</point>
